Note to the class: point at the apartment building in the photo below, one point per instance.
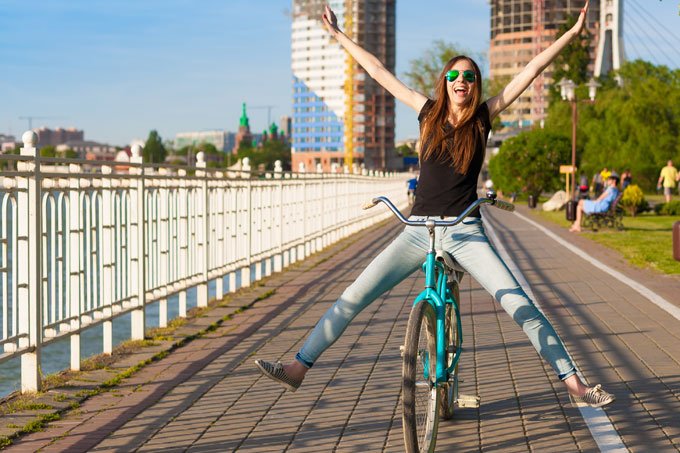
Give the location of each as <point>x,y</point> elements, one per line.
<point>340,115</point>
<point>517,35</point>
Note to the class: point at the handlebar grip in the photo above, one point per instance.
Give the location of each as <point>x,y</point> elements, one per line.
<point>370,204</point>
<point>504,205</point>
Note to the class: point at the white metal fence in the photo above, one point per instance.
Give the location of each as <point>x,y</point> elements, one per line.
<point>82,243</point>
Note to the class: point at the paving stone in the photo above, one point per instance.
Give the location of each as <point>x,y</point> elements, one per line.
<point>208,397</point>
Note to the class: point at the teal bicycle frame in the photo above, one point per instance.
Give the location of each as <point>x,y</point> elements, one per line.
<point>436,291</point>
<point>437,294</point>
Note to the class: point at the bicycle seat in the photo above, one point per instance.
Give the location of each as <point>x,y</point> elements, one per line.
<point>450,264</point>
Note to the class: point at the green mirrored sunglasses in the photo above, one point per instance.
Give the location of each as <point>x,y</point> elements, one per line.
<point>468,75</point>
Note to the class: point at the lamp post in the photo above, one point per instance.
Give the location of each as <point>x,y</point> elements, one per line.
<point>568,93</point>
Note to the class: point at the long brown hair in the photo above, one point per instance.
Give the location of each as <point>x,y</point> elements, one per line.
<point>434,137</point>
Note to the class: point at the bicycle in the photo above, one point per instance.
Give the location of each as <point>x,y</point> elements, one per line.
<point>434,337</point>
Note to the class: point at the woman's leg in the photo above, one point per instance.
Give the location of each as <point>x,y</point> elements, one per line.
<point>399,260</point>
<point>576,226</point>
<point>471,248</point>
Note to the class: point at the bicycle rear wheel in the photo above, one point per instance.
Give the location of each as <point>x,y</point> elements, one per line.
<point>448,392</point>
<point>419,393</point>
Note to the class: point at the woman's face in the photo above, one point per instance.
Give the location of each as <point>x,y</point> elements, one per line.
<point>460,90</point>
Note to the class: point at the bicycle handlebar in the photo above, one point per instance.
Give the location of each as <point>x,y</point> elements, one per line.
<point>490,199</point>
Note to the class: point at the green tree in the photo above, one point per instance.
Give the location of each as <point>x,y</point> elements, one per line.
<point>154,150</point>
<point>405,150</point>
<point>48,151</point>
<point>213,157</point>
<point>424,71</point>
<point>69,154</point>
<point>530,162</point>
<point>270,152</point>
<point>633,125</point>
<point>183,151</point>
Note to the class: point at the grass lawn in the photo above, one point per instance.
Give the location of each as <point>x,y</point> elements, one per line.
<point>646,241</point>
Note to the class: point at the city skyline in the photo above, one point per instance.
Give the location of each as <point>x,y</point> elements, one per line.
<point>119,70</point>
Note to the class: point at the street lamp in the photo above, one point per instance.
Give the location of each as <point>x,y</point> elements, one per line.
<point>568,93</point>
<point>592,88</point>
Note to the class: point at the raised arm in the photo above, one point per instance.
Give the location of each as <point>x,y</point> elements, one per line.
<point>373,66</point>
<point>541,61</point>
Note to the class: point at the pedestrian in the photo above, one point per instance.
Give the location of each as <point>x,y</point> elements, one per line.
<point>411,191</point>
<point>626,179</point>
<point>454,127</point>
<point>667,180</point>
<point>597,183</point>
<point>583,187</point>
<point>602,204</point>
<point>605,173</point>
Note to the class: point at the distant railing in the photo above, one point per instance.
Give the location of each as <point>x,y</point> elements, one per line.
<point>84,242</point>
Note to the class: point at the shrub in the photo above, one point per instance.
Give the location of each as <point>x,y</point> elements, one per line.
<point>530,162</point>
<point>670,208</point>
<point>633,200</point>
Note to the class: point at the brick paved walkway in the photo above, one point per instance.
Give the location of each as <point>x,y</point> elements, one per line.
<point>208,397</point>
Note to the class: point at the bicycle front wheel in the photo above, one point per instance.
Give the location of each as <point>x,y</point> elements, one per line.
<point>420,396</point>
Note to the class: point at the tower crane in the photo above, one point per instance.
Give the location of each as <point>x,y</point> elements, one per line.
<point>30,119</point>
<point>349,88</point>
<point>269,111</point>
<point>537,97</point>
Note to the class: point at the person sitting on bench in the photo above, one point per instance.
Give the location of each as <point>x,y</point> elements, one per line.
<point>601,205</point>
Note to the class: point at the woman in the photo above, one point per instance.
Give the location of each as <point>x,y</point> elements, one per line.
<point>454,127</point>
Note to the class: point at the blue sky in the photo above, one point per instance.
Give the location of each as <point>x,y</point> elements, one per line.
<point>118,69</point>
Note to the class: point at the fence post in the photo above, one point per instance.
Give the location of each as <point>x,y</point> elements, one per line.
<point>248,222</point>
<point>183,238</point>
<point>107,259</point>
<point>29,279</point>
<point>334,227</point>
<point>202,288</point>
<point>138,245</point>
<point>219,226</point>
<point>75,251</point>
<point>278,258</point>
<point>301,253</point>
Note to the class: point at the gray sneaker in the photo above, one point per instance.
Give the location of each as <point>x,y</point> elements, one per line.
<point>594,397</point>
<point>274,371</point>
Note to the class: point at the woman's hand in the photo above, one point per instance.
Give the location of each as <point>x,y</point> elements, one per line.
<point>330,21</point>
<point>581,21</point>
<point>537,65</point>
<point>372,65</point>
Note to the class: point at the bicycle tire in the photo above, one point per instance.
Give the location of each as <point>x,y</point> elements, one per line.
<point>448,392</point>
<point>420,396</point>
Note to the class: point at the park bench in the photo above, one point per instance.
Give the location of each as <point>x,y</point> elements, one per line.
<point>612,218</point>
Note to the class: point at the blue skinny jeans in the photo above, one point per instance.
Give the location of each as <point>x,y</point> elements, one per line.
<point>468,244</point>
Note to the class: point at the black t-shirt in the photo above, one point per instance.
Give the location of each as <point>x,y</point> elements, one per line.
<point>442,191</point>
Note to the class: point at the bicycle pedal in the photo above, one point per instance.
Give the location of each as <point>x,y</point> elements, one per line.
<point>468,400</point>
<point>423,384</point>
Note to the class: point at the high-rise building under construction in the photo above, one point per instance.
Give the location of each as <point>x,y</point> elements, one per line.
<point>520,29</point>
<point>340,115</point>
